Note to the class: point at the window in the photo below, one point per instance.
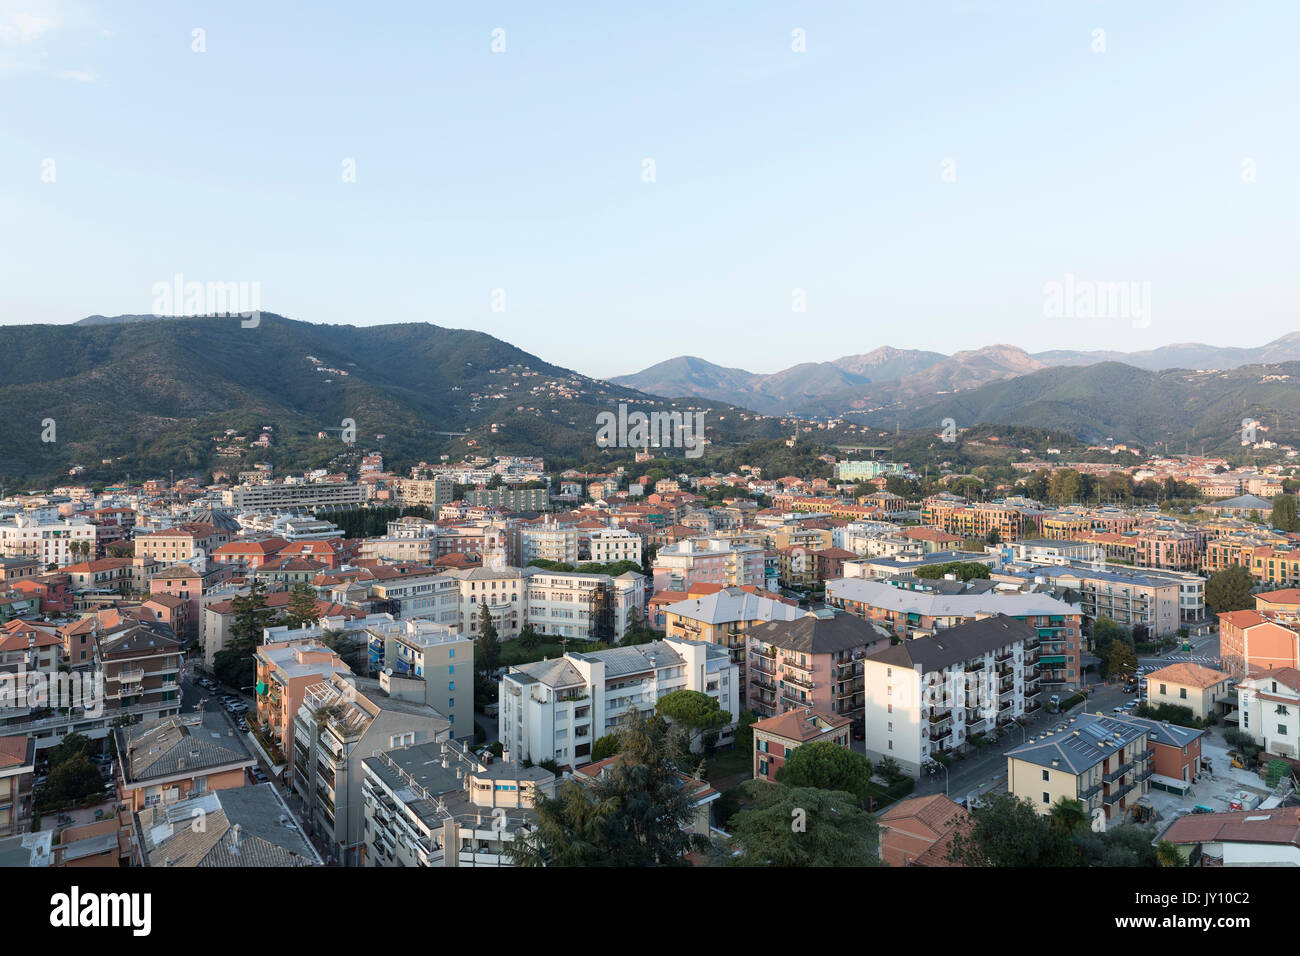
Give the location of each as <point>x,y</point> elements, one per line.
<point>1182,693</point>
<point>451,685</point>
<point>1163,690</point>
<point>1047,797</point>
<point>1281,729</point>
<point>451,702</point>
<point>1047,774</point>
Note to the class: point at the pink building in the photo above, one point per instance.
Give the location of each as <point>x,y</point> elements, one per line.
<point>707,561</point>
<point>776,737</point>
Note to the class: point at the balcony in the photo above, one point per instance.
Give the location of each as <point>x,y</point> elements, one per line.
<point>766,683</point>
<point>1146,754</point>
<point>974,717</point>
<point>1087,793</point>
<point>1116,795</point>
<point>849,689</point>
<point>761,666</point>
<point>801,682</point>
<point>1003,659</point>
<point>975,667</point>
<point>1118,772</point>
<point>1031,644</point>
<point>1144,775</point>
<point>130,675</point>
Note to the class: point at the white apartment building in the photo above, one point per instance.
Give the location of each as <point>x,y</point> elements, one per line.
<point>501,589</point>
<point>420,592</point>
<point>290,527</point>
<point>1269,705</point>
<point>547,541</point>
<point>556,709</point>
<point>615,544</point>
<point>48,540</point>
<point>275,496</point>
<point>932,694</point>
<point>437,804</point>
<point>588,607</point>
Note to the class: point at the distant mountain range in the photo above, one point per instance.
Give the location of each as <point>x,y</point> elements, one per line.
<point>150,394</point>
<point>889,377</point>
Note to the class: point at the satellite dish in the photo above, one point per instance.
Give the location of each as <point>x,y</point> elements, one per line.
<point>388,671</point>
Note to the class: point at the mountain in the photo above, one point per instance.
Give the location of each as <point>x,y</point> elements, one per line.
<point>1188,355</point>
<point>1111,400</point>
<point>963,370</point>
<point>148,396</point>
<point>887,376</point>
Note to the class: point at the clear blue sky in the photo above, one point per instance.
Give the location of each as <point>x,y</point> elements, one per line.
<point>775,170</point>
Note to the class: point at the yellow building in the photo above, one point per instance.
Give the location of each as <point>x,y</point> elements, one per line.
<point>1188,685</point>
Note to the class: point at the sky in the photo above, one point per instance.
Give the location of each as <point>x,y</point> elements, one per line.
<point>611,185</point>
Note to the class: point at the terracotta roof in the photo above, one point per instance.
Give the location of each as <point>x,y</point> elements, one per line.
<point>264,546</point>
<point>1188,674</point>
<point>798,724</point>
<point>13,751</point>
<point>1287,676</point>
<point>1242,618</point>
<point>1283,596</point>
<point>1281,826</point>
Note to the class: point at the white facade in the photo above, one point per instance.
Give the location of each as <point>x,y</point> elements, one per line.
<point>49,541</point>
<point>1269,705</point>
<point>556,709</point>
<point>615,544</point>
<point>548,542</point>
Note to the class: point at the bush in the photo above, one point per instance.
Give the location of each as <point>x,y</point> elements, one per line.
<point>1238,738</point>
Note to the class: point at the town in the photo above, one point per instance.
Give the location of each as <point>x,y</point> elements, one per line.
<point>1105,656</point>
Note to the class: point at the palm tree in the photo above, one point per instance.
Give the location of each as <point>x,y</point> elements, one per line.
<point>1068,815</point>
<point>1168,855</point>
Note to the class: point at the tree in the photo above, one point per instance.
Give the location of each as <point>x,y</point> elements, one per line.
<point>1284,515</point>
<point>695,711</point>
<point>1008,831</point>
<point>487,648</point>
<point>803,826</point>
<point>1122,658</point>
<point>1168,855</point>
<point>528,638</point>
<point>302,606</point>
<point>827,766</point>
<point>633,814</point>
<point>605,747</point>
<point>70,782</point>
<point>70,746</point>
<point>1122,846</point>
<point>251,618</point>
<point>1068,815</point>
<point>1230,589</point>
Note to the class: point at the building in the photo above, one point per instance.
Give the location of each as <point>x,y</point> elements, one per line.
<point>700,795</point>
<point>1104,763</point>
<point>556,709</point>
<point>285,669</point>
<point>510,499</point>
<point>1249,641</point>
<point>283,496</point>
<point>1177,760</point>
<point>919,831</point>
<point>707,561</point>
<point>436,804</point>
<point>17,773</point>
<point>164,761</point>
<point>585,607</point>
<point>428,659</point>
<point>609,545</point>
<point>932,695</point>
<point>909,613</point>
<point>546,540</point>
<point>430,492</point>
<point>1269,710</point>
<point>142,666</point>
<point>180,543</point>
<point>340,723</point>
<point>1241,838</point>
<point>813,661</point>
<point>859,471</point>
<point>50,541</point>
<point>236,828</point>
<point>1201,690</point>
<point>775,738</point>
<point>1129,599</point>
<point>724,617</point>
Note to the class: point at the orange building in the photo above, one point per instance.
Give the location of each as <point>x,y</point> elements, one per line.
<point>1248,641</point>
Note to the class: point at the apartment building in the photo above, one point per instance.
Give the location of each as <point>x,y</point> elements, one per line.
<point>932,695</point>
<point>285,669</point>
<point>859,471</point>
<point>284,496</point>
<point>546,540</point>
<point>556,709</point>
<point>1128,598</point>
<point>509,499</point>
<point>428,659</point>
<point>438,805</point>
<point>1171,550</point>
<point>1249,641</point>
<point>142,665</point>
<point>503,590</point>
<point>1104,763</point>
<point>981,520</point>
<point>17,769</point>
<point>1269,708</point>
<point>430,492</point>
<point>167,760</point>
<point>908,613</point>
<point>707,561</point>
<point>48,540</point>
<point>342,722</point>
<point>416,590</point>
<point>905,565</point>
<point>250,553</point>
<point>609,545</point>
<point>180,543</point>
<point>812,661</point>
<point>1277,567</point>
<point>1202,690</point>
<point>182,581</point>
<point>586,607</point>
<point>775,738</point>
<point>724,618</point>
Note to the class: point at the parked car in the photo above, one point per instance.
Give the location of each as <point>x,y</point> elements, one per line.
<point>260,775</point>
<point>102,760</point>
<point>240,708</point>
<point>1118,710</point>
